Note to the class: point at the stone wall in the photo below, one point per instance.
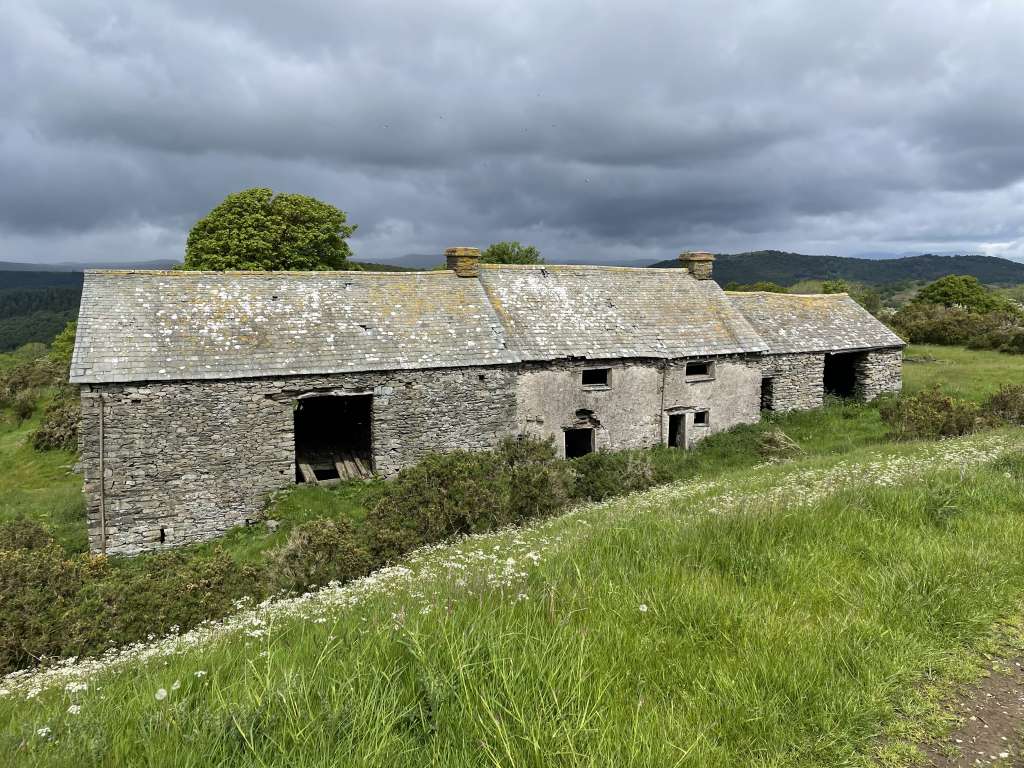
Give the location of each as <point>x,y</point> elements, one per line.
<point>185,461</point>
<point>798,380</point>
<point>634,409</point>
<point>878,372</point>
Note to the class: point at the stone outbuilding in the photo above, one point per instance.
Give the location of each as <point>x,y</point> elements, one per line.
<point>203,392</point>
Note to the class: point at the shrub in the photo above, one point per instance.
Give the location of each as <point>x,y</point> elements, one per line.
<point>56,604</point>
<point>468,492</point>
<point>59,428</point>
<point>39,591</point>
<point>1006,404</point>
<point>23,405</point>
<point>319,552</point>
<point>928,414</point>
<point>603,474</point>
<point>23,534</point>
<point>539,483</point>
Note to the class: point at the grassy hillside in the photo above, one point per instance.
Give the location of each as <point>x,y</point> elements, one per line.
<point>789,268</point>
<point>775,616</point>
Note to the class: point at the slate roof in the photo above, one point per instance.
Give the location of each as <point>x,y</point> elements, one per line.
<point>152,326</point>
<point>162,326</point>
<point>557,311</point>
<point>813,323</point>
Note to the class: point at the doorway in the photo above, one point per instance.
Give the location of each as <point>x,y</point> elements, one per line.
<point>841,374</point>
<point>579,442</point>
<point>767,394</point>
<point>677,430</point>
<point>333,435</point>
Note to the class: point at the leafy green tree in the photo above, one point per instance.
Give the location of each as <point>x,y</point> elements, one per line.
<point>835,286</point>
<point>511,252</point>
<point>964,291</point>
<point>256,229</point>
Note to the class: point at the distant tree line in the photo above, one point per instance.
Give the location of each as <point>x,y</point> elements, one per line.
<point>35,314</point>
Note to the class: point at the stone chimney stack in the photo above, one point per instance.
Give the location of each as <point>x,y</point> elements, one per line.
<point>698,263</point>
<point>463,261</point>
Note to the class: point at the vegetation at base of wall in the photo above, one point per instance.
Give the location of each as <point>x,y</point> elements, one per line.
<point>767,622</point>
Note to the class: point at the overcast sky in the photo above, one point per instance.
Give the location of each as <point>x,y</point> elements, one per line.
<point>595,130</point>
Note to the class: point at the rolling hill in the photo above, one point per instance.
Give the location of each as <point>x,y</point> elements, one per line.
<point>788,268</point>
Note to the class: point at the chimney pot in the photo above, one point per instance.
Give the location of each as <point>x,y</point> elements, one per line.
<point>463,261</point>
<point>698,263</point>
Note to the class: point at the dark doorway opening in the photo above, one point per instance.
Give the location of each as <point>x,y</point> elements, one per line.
<point>768,394</point>
<point>578,442</point>
<point>676,427</point>
<point>333,438</point>
<point>840,374</point>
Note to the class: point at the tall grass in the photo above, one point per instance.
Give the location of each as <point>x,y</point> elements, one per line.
<point>779,616</point>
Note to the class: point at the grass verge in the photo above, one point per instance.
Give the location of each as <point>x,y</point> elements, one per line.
<point>772,616</point>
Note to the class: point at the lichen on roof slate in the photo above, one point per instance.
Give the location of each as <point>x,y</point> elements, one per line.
<point>813,323</point>
<point>143,326</point>
<point>159,326</point>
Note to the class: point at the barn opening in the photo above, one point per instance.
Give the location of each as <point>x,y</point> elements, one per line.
<point>767,394</point>
<point>841,374</point>
<point>333,438</point>
<point>579,442</point>
<point>676,427</point>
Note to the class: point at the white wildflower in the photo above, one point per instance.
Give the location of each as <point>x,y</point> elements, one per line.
<point>74,709</point>
<point>176,686</point>
<point>643,608</point>
<point>200,672</point>
<point>43,732</point>
<point>161,694</point>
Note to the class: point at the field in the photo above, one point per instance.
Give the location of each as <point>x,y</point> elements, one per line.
<point>811,612</point>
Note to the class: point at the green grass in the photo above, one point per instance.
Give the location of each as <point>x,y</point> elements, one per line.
<point>776,617</point>
<point>972,374</point>
<point>40,485</point>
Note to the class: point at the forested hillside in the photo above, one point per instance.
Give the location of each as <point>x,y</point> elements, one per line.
<point>788,268</point>
<point>35,306</point>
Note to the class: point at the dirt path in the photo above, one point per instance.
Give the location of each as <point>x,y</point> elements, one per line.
<point>992,729</point>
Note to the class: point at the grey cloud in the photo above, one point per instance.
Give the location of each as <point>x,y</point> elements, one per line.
<point>586,128</point>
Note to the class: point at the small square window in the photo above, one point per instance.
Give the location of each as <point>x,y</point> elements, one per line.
<point>700,369</point>
<point>700,418</point>
<point>596,377</point>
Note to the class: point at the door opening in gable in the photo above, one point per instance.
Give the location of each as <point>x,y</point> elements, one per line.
<point>333,436</point>
<point>841,374</point>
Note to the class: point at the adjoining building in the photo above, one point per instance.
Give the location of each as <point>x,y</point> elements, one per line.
<point>203,392</point>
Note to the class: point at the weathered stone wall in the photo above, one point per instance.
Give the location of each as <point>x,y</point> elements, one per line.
<point>798,380</point>
<point>878,372</point>
<point>196,458</point>
<point>633,411</point>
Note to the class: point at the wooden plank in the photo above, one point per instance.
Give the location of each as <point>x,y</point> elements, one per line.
<point>364,470</point>
<point>342,470</point>
<point>307,473</point>
<point>350,465</point>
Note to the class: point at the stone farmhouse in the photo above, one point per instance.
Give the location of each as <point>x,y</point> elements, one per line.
<point>204,392</point>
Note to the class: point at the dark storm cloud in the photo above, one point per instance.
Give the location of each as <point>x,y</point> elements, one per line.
<point>589,128</point>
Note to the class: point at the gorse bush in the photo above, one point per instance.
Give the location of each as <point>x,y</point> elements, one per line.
<point>23,534</point>
<point>929,414</point>
<point>56,605</point>
<point>59,426</point>
<point>1006,404</point>
<point>603,474</point>
<point>319,552</point>
<point>468,492</point>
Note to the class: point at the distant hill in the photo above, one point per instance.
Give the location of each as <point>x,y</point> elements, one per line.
<point>788,268</point>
